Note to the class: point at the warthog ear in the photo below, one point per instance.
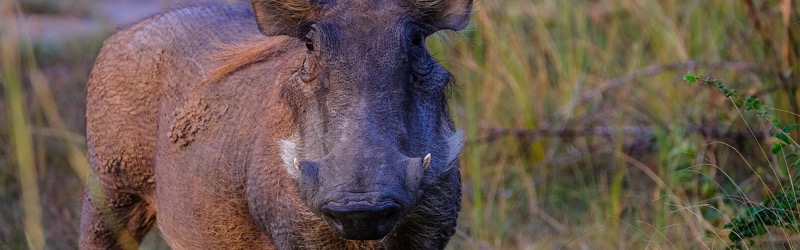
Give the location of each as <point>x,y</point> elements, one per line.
<point>286,17</point>
<point>444,14</point>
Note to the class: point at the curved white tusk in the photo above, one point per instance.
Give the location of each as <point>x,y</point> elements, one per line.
<point>426,161</point>
<point>296,164</point>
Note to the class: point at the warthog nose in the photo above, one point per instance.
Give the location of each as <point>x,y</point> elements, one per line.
<point>362,221</point>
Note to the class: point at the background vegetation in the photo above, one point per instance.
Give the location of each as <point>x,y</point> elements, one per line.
<point>581,132</point>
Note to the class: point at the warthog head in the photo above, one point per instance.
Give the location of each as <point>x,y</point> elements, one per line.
<point>369,103</point>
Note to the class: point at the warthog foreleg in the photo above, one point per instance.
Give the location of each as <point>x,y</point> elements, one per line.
<point>114,220</point>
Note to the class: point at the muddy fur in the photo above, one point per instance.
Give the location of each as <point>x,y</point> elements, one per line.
<point>196,116</point>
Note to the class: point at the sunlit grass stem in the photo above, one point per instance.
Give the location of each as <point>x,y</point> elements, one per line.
<point>21,141</point>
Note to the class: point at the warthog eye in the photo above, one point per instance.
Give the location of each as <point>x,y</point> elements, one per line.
<point>308,41</point>
<point>418,38</point>
<point>309,45</point>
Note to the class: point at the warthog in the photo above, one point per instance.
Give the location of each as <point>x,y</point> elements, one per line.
<point>276,124</point>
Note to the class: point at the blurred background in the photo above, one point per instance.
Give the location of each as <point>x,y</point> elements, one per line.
<point>581,133</point>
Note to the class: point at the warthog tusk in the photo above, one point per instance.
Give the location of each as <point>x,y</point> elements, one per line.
<point>426,161</point>
<point>296,164</point>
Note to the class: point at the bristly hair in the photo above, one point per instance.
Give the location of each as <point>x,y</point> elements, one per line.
<point>429,6</point>
<point>235,56</point>
<point>285,17</point>
<point>430,9</point>
<point>302,9</point>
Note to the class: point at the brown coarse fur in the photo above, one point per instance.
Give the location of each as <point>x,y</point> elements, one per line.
<point>233,56</point>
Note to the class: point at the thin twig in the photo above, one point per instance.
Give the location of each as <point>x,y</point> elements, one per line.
<point>639,132</point>
<point>651,71</point>
<point>59,133</point>
<point>476,243</point>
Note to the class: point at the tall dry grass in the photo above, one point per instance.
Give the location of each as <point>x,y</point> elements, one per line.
<point>32,116</point>
<point>582,133</point>
<point>21,141</point>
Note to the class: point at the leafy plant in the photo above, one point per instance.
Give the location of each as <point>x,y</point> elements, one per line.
<point>781,208</point>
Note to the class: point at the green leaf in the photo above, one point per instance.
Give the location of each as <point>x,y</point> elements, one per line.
<point>753,103</point>
<point>689,77</point>
<point>789,127</point>
<point>777,147</point>
<point>776,121</point>
<point>784,138</point>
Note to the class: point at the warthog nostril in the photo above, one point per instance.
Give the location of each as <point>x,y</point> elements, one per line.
<point>362,221</point>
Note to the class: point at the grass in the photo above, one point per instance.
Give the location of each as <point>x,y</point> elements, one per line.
<point>542,79</point>
<point>41,139</point>
<point>780,208</point>
<point>581,132</point>
<point>21,141</point>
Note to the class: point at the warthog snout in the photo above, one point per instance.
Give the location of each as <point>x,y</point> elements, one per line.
<point>362,197</point>
<point>362,221</point>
